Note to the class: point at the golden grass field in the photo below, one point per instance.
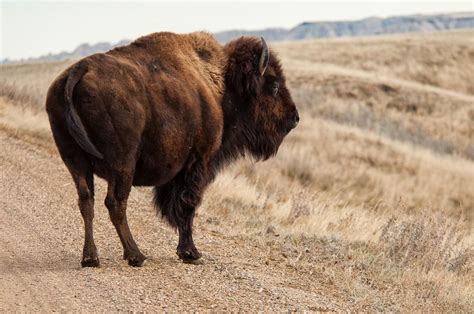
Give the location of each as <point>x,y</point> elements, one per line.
<point>380,171</point>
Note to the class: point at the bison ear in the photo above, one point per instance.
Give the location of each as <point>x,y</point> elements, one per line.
<point>248,60</point>
<point>264,58</point>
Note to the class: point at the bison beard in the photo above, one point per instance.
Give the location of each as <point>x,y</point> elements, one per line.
<point>167,111</point>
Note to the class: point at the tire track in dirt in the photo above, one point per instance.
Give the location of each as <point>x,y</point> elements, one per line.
<point>41,239</point>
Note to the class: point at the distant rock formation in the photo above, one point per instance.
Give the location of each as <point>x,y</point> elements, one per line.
<point>307,30</point>
<point>81,51</point>
<point>366,27</point>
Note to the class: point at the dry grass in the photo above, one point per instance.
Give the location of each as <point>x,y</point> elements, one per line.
<point>348,172</point>
<point>373,190</point>
<point>27,84</point>
<point>432,59</point>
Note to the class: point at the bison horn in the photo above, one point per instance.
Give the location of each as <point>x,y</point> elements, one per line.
<point>264,58</point>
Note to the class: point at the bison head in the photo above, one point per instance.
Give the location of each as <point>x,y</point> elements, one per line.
<point>258,104</point>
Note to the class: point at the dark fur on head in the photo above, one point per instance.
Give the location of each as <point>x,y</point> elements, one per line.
<point>255,120</point>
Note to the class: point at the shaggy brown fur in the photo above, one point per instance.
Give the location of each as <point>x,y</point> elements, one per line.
<point>166,111</point>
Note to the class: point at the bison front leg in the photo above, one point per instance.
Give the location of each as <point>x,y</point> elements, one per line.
<point>178,200</point>
<point>186,249</point>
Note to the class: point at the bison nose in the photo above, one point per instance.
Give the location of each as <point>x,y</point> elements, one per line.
<point>296,118</point>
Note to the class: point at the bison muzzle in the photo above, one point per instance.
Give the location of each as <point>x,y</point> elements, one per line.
<point>167,111</point>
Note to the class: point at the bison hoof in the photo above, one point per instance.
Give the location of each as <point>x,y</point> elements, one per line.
<point>136,260</point>
<point>90,262</point>
<point>189,256</point>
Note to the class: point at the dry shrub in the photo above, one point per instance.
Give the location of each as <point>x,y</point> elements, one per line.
<point>300,207</point>
<point>26,85</point>
<point>20,96</point>
<point>429,242</point>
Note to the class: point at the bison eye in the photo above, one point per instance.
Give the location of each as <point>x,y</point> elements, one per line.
<point>275,87</point>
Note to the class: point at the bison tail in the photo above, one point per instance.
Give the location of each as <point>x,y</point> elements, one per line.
<point>74,123</point>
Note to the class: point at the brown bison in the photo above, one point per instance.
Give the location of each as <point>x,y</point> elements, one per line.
<point>167,111</point>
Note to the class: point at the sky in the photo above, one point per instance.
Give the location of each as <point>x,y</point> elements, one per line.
<point>34,28</point>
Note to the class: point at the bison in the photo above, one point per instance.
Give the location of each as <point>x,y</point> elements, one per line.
<point>168,111</point>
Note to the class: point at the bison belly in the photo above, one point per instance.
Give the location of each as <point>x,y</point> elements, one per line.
<point>155,173</point>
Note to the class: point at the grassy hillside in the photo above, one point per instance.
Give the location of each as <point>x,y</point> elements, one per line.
<point>379,173</point>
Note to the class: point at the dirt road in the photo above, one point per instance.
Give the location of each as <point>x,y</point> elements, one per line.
<point>41,237</point>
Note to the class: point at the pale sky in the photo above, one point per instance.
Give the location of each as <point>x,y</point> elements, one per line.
<point>34,28</point>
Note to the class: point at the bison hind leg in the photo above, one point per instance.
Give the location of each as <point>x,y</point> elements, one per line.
<point>90,257</point>
<point>83,176</point>
<point>82,173</point>
<point>116,202</point>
